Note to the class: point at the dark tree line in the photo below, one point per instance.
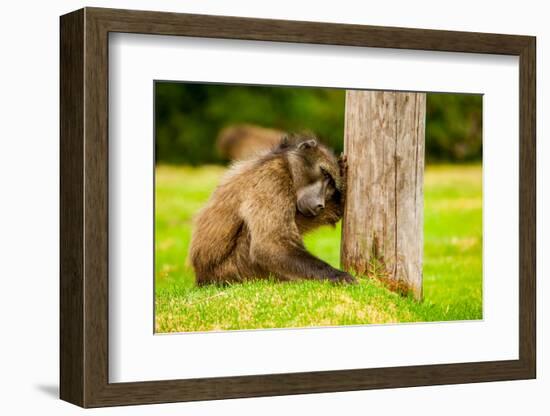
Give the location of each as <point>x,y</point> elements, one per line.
<point>188,118</point>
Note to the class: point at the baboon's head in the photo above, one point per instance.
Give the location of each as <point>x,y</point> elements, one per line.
<point>316,174</point>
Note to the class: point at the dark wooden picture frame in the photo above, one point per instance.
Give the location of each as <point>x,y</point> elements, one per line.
<point>84,207</point>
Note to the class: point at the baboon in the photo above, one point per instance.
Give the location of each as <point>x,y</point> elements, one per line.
<point>253,224</point>
<point>243,141</point>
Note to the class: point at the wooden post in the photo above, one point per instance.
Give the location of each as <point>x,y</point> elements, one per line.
<point>382,232</point>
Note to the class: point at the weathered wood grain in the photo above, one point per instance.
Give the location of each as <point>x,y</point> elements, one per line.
<point>71,218</point>
<point>382,232</point>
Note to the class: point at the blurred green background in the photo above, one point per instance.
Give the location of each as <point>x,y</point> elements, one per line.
<point>188,118</point>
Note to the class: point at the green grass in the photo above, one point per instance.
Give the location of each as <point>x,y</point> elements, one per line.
<point>452,265</point>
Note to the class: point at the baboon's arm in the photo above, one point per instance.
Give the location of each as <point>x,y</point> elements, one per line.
<point>276,244</point>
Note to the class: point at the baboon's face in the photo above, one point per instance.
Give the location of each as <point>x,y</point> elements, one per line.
<point>318,178</point>
<point>311,198</point>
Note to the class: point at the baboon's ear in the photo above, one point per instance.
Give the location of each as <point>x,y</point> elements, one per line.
<point>308,144</point>
<point>284,142</point>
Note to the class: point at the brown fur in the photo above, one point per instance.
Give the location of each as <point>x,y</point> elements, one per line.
<point>251,228</point>
<point>244,141</point>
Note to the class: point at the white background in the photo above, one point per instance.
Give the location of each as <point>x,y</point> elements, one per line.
<point>29,207</point>
<point>135,354</point>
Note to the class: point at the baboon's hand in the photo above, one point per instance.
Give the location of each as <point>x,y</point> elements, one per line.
<point>343,164</point>
<point>343,277</point>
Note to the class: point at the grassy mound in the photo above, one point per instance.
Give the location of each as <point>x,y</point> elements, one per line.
<point>452,265</point>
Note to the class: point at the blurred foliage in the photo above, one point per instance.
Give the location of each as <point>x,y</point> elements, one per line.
<point>188,118</point>
<point>453,127</point>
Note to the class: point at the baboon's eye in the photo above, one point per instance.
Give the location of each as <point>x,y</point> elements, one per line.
<point>328,176</point>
